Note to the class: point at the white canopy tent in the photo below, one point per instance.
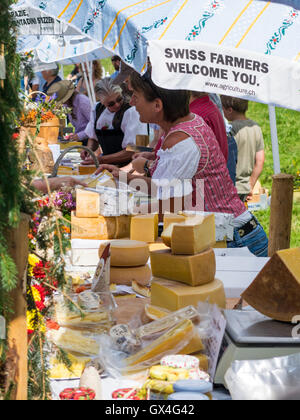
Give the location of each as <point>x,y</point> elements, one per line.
<point>245,48</point>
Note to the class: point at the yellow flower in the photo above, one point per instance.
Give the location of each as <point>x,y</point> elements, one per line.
<point>35,320</point>
<point>33,260</point>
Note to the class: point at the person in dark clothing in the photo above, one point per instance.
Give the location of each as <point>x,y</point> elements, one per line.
<point>51,77</point>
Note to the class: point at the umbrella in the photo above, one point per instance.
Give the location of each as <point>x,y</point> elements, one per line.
<point>244,48</point>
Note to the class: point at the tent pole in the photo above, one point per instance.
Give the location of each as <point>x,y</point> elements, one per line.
<point>90,73</point>
<point>274,137</point>
<point>87,85</point>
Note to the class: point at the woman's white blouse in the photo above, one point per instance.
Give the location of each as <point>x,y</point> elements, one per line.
<point>131,125</point>
<point>175,170</point>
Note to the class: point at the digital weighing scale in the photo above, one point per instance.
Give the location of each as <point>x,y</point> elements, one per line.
<point>250,335</point>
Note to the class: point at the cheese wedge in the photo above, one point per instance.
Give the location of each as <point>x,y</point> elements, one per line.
<point>173,295</point>
<point>191,237</point>
<point>104,179</point>
<point>167,342</point>
<point>100,228</point>
<point>127,253</point>
<point>154,313</point>
<point>194,270</point>
<point>276,290</point>
<point>144,228</point>
<point>87,203</point>
<point>170,218</point>
<point>126,275</point>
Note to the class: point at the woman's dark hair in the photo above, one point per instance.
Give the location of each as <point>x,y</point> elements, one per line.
<point>176,103</point>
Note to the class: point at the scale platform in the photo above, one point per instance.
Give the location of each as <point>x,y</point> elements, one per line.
<point>252,336</point>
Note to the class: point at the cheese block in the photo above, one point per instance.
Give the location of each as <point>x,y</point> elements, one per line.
<point>167,342</point>
<point>87,203</point>
<point>126,275</point>
<point>170,218</point>
<point>67,170</point>
<point>275,292</point>
<point>127,253</point>
<point>86,169</point>
<point>144,228</point>
<point>194,270</point>
<point>122,227</point>
<point>100,228</point>
<point>74,341</point>
<point>191,237</point>
<point>173,295</point>
<point>154,313</point>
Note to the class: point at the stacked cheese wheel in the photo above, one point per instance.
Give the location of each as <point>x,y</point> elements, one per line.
<point>184,273</point>
<point>129,264</point>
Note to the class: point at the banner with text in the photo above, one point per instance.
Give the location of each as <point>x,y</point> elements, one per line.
<point>34,22</point>
<point>226,71</point>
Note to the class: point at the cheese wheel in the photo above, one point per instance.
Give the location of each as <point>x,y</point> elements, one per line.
<point>125,276</point>
<point>126,253</point>
<point>173,295</point>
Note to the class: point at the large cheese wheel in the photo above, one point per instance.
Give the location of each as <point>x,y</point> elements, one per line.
<point>126,253</point>
<point>173,295</point>
<point>125,276</point>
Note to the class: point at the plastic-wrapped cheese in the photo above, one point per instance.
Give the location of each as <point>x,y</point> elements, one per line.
<point>173,295</point>
<point>127,253</point>
<point>194,270</point>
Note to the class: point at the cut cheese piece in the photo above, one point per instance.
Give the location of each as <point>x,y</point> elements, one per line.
<point>154,312</point>
<point>123,227</point>
<point>157,246</point>
<point>87,203</point>
<point>100,228</point>
<point>144,228</point>
<point>169,341</point>
<point>170,218</point>
<point>104,179</point>
<point>194,270</point>
<point>141,290</point>
<point>194,345</point>
<point>193,236</point>
<point>173,295</point>
<point>74,341</point>
<point>276,290</point>
<point>127,253</point>
<point>125,276</point>
<point>67,170</point>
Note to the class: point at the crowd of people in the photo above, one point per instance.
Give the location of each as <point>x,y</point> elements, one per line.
<point>204,139</point>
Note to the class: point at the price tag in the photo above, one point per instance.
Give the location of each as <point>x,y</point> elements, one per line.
<point>2,68</point>
<point>2,328</point>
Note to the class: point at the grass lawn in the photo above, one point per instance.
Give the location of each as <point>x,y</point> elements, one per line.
<point>288,124</point>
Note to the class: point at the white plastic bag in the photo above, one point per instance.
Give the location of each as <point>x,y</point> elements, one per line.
<point>270,379</point>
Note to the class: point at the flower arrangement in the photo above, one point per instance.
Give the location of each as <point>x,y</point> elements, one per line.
<point>42,109</point>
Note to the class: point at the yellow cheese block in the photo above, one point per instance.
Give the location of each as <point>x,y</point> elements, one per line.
<point>87,203</point>
<point>59,370</point>
<point>170,218</point>
<point>203,361</point>
<point>86,169</point>
<point>123,227</point>
<point>275,292</point>
<point>194,270</point>
<point>173,295</point>
<point>155,313</point>
<point>100,228</point>
<point>66,170</point>
<point>191,237</point>
<point>144,228</point>
<point>125,276</point>
<point>103,179</point>
<point>127,253</point>
<point>167,342</point>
